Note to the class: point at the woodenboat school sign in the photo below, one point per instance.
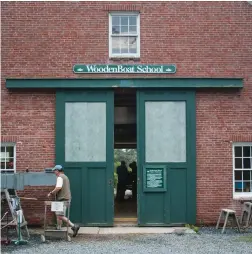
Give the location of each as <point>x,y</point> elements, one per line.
<point>124,68</point>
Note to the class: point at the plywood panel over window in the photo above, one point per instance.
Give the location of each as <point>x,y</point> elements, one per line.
<point>85,127</point>
<point>165,128</point>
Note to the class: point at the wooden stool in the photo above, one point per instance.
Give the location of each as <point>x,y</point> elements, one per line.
<point>225,213</point>
<point>246,213</point>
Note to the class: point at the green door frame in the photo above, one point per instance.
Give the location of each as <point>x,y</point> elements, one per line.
<point>190,164</point>
<point>80,172</point>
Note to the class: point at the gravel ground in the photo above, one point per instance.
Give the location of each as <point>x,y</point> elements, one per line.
<point>208,240</point>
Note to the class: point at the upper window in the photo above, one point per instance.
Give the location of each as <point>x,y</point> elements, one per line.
<point>8,157</point>
<point>242,165</point>
<point>124,34</point>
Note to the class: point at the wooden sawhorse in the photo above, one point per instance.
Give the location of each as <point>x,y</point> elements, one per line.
<point>226,213</point>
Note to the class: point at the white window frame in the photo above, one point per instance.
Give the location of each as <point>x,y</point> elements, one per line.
<point>132,55</point>
<point>240,195</point>
<point>5,144</point>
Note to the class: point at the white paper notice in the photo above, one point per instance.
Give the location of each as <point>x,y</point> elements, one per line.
<point>57,206</point>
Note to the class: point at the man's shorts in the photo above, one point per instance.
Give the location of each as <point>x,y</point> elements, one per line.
<point>63,213</point>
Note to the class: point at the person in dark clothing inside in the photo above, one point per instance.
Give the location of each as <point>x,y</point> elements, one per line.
<point>122,173</point>
<point>133,166</point>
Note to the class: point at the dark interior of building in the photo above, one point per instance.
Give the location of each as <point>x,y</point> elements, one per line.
<point>125,137</point>
<point>125,118</point>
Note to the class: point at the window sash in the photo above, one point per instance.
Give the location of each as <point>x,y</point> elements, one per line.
<point>124,45</point>
<point>136,35</point>
<point>241,182</point>
<point>5,145</point>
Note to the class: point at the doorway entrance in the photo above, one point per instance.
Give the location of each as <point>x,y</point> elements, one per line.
<point>125,156</point>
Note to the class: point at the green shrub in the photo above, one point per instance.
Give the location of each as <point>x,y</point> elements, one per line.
<point>115,179</point>
<point>194,228</point>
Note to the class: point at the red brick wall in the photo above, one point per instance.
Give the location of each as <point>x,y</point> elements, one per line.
<point>204,39</point>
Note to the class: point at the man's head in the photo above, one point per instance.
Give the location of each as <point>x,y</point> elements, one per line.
<point>57,169</point>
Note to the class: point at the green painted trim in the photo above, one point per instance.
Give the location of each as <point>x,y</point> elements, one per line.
<point>60,128</point>
<point>191,149</point>
<point>139,184</point>
<point>120,82</point>
<point>110,155</point>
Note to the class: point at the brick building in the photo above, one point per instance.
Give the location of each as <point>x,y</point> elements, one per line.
<point>178,77</point>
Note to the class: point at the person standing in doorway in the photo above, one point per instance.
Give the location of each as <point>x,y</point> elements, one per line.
<point>63,193</point>
<point>133,166</point>
<point>122,173</point>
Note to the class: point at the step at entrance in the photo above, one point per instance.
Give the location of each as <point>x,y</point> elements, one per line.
<point>125,222</point>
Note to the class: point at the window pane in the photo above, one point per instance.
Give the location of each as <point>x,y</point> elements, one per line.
<point>115,29</point>
<point>238,151</point>
<point>132,50</point>
<point>132,20</point>
<point>115,51</point>
<point>246,151</point>
<point>246,163</point>
<point>10,164</point>
<point>132,29</point>
<point>165,131</point>
<point>3,153</point>
<point>238,175</point>
<point>124,29</point>
<point>124,51</point>
<point>124,21</point>
<point>3,165</point>
<point>247,186</point>
<point>238,163</point>
<point>85,131</point>
<point>132,44</point>
<point>115,21</point>
<point>246,175</point>
<point>9,151</point>
<point>124,45</point>
<point>238,186</point>
<point>116,45</point>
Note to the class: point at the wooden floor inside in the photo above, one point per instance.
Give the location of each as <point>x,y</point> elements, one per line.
<point>125,212</point>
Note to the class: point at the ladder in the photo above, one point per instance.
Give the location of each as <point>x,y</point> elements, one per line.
<point>14,205</point>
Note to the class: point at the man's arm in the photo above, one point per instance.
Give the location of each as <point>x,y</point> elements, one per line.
<point>58,186</point>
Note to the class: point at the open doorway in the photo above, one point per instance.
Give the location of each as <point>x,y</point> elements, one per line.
<point>125,156</point>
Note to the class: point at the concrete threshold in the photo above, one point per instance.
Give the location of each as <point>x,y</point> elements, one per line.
<point>133,230</point>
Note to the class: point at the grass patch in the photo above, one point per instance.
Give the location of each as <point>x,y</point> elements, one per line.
<point>194,228</point>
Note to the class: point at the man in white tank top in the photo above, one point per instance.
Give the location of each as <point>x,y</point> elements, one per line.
<point>63,193</point>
